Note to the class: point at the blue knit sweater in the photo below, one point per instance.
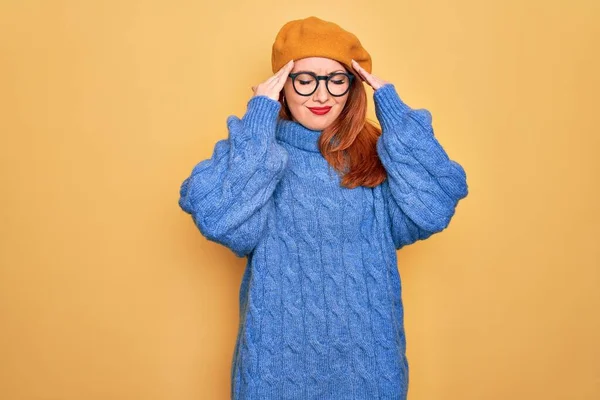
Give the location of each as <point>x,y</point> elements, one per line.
<point>321,313</point>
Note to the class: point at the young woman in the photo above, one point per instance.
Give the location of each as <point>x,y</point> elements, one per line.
<point>318,199</point>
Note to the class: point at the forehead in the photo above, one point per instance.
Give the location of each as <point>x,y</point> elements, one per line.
<point>319,65</point>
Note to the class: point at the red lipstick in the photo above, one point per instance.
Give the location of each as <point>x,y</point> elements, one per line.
<point>319,110</point>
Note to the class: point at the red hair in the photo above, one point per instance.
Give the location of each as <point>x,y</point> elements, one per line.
<point>348,144</point>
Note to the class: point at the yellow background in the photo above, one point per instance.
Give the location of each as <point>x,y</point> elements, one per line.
<point>108,290</point>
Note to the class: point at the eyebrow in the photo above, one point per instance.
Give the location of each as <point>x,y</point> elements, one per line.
<point>332,72</point>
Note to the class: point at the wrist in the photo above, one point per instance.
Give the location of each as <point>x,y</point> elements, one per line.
<point>261,114</point>
<point>389,107</point>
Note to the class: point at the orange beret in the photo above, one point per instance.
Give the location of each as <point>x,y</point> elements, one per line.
<point>314,37</point>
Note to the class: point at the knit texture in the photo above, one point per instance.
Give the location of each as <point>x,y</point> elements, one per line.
<point>321,314</point>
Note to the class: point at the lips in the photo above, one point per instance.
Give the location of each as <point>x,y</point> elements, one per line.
<point>319,110</point>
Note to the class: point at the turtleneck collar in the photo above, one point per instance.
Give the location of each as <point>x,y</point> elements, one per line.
<point>297,135</point>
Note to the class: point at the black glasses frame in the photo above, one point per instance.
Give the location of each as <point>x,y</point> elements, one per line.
<point>325,78</point>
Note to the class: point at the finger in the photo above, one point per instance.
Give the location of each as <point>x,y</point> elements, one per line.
<point>360,74</point>
<point>283,71</point>
<point>273,78</point>
<point>360,70</point>
<point>286,67</point>
<point>282,76</point>
<point>363,75</point>
<point>286,72</point>
<point>367,77</point>
<point>363,72</point>
<point>276,75</point>
<point>356,66</point>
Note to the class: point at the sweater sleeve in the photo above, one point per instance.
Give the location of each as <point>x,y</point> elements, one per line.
<point>423,184</point>
<point>229,195</point>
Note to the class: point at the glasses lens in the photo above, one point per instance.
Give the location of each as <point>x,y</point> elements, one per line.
<point>305,84</point>
<point>338,84</point>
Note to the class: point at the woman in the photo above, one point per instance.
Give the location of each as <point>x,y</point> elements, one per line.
<point>318,199</point>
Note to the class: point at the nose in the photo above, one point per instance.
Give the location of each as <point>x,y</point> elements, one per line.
<point>321,95</point>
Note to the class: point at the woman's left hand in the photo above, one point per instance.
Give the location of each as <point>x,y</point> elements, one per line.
<point>372,80</point>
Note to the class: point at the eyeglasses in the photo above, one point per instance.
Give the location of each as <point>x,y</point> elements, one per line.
<point>306,83</point>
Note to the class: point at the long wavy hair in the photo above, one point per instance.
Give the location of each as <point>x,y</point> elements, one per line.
<point>348,144</point>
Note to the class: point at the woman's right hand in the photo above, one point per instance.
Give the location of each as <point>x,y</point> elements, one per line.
<point>272,86</point>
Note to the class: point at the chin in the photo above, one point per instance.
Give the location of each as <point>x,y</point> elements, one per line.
<point>317,124</point>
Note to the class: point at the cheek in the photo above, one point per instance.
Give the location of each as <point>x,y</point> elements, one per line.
<point>340,106</point>
<point>287,88</point>
<point>290,93</point>
<point>342,101</point>
<point>294,100</point>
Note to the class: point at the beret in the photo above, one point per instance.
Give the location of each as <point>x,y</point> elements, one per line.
<point>314,37</point>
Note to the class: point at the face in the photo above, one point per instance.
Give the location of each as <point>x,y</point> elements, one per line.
<point>300,105</point>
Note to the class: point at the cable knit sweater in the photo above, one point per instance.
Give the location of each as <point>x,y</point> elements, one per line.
<point>321,314</point>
